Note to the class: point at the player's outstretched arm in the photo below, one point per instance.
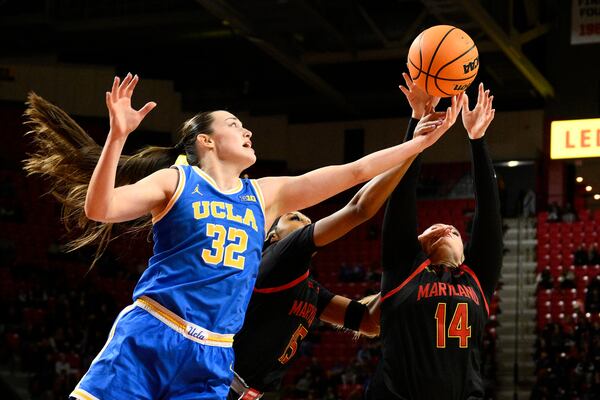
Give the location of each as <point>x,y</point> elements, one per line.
<point>104,202</point>
<point>400,245</point>
<point>369,199</point>
<point>484,254</point>
<point>284,194</point>
<point>360,316</point>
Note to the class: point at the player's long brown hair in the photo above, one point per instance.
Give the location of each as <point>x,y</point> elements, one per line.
<point>65,155</point>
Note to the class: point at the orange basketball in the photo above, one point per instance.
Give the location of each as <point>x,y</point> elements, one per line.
<point>443,60</point>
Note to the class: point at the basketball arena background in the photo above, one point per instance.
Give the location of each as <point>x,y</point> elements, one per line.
<point>317,83</point>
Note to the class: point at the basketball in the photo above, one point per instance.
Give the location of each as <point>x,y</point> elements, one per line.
<point>443,60</point>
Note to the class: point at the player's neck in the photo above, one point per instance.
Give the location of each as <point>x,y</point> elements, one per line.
<point>447,260</point>
<point>226,176</point>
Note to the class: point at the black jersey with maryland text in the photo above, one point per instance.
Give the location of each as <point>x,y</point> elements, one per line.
<point>432,331</point>
<point>432,317</point>
<point>285,303</point>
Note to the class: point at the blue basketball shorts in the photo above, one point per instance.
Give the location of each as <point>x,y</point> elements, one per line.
<point>152,353</point>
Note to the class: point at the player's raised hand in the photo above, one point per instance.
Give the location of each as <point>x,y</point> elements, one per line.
<point>124,119</point>
<point>476,121</point>
<point>429,123</point>
<point>420,102</point>
<point>449,119</point>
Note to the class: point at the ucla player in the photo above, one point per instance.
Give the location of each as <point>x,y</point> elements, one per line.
<point>175,341</point>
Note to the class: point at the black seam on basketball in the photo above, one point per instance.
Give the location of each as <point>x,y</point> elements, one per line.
<point>435,78</point>
<point>450,62</point>
<point>418,69</point>
<point>434,54</point>
<point>444,79</point>
<point>420,55</point>
<point>439,88</point>
<point>413,78</point>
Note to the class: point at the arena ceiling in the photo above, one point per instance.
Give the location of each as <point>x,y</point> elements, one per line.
<point>312,59</point>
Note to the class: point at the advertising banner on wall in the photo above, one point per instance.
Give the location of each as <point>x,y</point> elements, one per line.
<point>577,138</point>
<point>585,21</point>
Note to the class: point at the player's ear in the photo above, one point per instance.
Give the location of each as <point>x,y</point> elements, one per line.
<point>205,140</point>
<point>272,237</point>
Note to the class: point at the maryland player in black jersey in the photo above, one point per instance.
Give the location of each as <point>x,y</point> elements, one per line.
<point>287,301</point>
<point>435,296</point>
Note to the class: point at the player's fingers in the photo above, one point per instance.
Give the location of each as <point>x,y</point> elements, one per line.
<point>465,105</point>
<point>123,85</point>
<point>433,124</point>
<point>456,100</point>
<point>404,90</point>
<point>451,110</point>
<point>486,99</point>
<point>426,129</point>
<point>480,93</point>
<point>449,115</point>
<point>459,102</point>
<point>409,82</point>
<point>147,108</point>
<point>438,115</point>
<point>131,86</point>
<point>114,89</point>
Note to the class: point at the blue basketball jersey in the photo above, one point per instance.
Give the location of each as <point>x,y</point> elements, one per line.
<point>207,249</point>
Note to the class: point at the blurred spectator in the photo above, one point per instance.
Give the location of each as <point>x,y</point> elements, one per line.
<point>593,254</point>
<point>364,355</point>
<point>580,256</point>
<point>349,376</point>
<point>354,273</point>
<point>330,394</point>
<point>569,215</point>
<point>61,365</point>
<point>345,272</point>
<point>374,273</point>
<point>529,204</point>
<point>304,384</point>
<point>554,213</point>
<point>11,211</point>
<point>315,367</point>
<point>592,297</point>
<point>545,280</point>
<point>358,273</point>
<point>567,280</point>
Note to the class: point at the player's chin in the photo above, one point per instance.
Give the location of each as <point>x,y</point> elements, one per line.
<point>249,158</point>
<point>441,246</point>
<point>438,241</point>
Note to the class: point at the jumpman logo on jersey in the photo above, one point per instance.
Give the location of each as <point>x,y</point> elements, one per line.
<point>197,190</point>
